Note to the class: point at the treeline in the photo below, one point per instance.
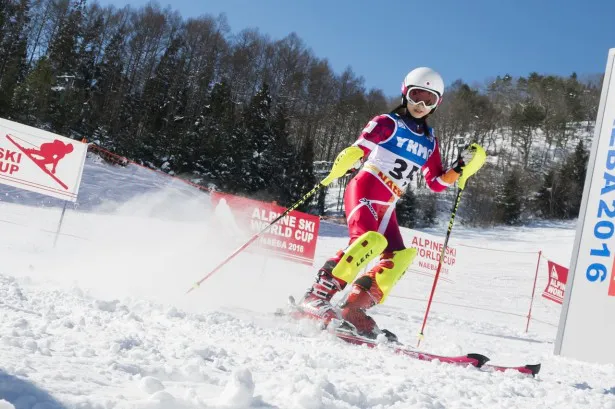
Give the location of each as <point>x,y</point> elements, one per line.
<point>250,115</point>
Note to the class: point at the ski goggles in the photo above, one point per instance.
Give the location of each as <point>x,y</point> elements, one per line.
<point>417,95</point>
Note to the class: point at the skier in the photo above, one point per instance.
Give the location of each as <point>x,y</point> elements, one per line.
<point>393,147</point>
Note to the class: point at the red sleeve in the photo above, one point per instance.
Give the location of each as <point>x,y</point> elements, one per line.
<point>433,171</point>
<point>378,130</point>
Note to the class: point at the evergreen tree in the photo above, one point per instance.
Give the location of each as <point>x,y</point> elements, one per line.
<point>212,148</point>
<point>14,20</point>
<point>256,162</point>
<point>32,97</point>
<point>162,107</point>
<point>407,212</point>
<point>479,203</point>
<point>87,73</point>
<point>281,186</point>
<point>510,202</point>
<point>63,50</point>
<point>302,179</point>
<point>66,101</point>
<point>562,190</point>
<point>574,104</point>
<point>427,209</point>
<point>576,168</point>
<point>549,197</point>
<point>108,92</point>
<point>579,163</point>
<point>125,129</point>
<point>321,201</point>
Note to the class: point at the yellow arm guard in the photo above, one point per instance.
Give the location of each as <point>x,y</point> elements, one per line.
<point>344,161</point>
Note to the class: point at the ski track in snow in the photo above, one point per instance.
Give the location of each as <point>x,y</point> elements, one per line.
<point>102,320</point>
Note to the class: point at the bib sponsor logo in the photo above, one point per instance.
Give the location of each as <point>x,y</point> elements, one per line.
<point>367,203</point>
<point>365,257</point>
<point>390,184</point>
<point>414,147</point>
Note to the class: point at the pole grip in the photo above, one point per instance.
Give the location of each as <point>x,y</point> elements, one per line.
<point>477,162</point>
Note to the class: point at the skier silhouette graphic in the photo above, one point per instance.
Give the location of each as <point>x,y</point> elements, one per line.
<point>50,153</point>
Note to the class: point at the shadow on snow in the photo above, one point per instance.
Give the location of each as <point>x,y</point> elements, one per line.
<point>24,394</point>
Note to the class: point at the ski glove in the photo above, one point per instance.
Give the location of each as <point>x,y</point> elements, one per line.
<point>465,157</point>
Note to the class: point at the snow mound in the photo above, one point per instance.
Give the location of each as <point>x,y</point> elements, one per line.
<point>151,385</point>
<point>239,391</point>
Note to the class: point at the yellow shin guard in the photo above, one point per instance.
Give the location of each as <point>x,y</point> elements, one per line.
<point>390,276</point>
<point>356,256</point>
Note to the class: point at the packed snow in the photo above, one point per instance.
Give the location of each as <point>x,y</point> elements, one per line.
<point>102,320</point>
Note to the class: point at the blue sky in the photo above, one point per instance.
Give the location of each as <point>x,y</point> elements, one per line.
<point>469,40</point>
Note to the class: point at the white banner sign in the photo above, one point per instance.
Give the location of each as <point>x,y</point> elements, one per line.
<point>429,249</point>
<point>586,328</point>
<point>40,161</point>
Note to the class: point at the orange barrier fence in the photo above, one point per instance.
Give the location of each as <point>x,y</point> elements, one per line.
<point>122,161</point>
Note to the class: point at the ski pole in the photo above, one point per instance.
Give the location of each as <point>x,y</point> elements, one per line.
<point>479,159</point>
<point>257,235</point>
<point>341,165</point>
<point>440,262</point>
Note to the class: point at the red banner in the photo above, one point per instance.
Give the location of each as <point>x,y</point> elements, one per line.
<point>293,237</point>
<point>557,282</point>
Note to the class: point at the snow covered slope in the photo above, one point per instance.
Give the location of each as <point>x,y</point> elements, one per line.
<point>102,321</point>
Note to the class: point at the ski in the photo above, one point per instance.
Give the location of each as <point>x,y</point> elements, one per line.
<point>345,333</point>
<point>476,360</point>
<point>529,369</point>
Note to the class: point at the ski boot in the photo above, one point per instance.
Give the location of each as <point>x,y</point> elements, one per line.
<point>336,272</point>
<point>316,303</point>
<point>362,296</point>
<point>372,288</point>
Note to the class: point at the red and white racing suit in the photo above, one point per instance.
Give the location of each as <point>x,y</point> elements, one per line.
<point>396,147</point>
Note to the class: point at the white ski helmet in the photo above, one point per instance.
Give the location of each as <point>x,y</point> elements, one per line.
<point>423,77</point>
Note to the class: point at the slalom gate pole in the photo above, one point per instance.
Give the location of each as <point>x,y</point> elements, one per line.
<point>440,262</point>
<point>55,240</point>
<point>529,313</point>
<point>257,235</point>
